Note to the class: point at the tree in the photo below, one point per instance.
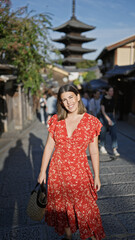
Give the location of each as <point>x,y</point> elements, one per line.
<point>25,43</point>
<point>86,64</point>
<point>88,76</point>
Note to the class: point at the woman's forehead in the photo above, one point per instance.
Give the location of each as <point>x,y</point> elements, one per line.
<point>67,94</point>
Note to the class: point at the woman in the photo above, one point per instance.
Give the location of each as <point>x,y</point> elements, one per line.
<point>108,120</point>
<point>71,190</point>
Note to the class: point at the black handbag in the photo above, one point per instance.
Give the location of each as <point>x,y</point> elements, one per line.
<point>37,202</point>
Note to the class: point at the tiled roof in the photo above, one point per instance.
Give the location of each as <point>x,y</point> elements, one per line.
<point>76,49</point>
<point>72,60</point>
<point>74,23</point>
<point>115,46</point>
<point>120,71</point>
<point>76,38</point>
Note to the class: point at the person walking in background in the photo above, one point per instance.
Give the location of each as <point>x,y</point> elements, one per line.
<point>51,104</point>
<point>85,100</point>
<point>72,192</point>
<point>108,120</point>
<point>94,104</point>
<point>43,115</point>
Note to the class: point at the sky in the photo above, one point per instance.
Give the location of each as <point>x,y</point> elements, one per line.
<point>114,19</point>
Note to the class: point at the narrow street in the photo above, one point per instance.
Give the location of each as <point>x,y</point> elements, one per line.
<point>20,160</point>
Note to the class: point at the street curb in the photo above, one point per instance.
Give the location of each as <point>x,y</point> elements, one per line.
<point>126,135</point>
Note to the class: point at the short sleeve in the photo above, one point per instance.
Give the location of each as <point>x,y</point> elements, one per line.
<point>52,124</point>
<point>95,128</point>
<point>98,126</point>
<point>103,100</point>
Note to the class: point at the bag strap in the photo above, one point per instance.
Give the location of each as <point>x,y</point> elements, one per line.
<point>34,190</point>
<point>43,187</point>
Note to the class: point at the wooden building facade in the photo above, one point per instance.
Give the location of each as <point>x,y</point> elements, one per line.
<point>16,107</point>
<point>118,67</point>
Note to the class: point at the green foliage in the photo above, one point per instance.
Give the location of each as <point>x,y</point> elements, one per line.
<point>76,82</point>
<point>25,43</point>
<point>58,56</point>
<point>89,76</point>
<point>86,64</point>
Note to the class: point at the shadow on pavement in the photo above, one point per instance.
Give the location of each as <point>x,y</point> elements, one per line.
<point>18,177</point>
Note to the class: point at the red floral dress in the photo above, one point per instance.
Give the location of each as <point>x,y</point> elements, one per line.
<point>71,194</point>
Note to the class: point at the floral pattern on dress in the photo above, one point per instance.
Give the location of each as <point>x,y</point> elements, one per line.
<point>71,194</point>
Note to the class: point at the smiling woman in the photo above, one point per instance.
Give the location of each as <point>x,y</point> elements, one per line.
<point>69,100</point>
<point>72,191</point>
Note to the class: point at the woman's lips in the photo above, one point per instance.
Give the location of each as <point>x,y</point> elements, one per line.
<point>70,106</point>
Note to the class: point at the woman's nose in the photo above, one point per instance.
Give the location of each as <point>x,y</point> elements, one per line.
<point>68,101</point>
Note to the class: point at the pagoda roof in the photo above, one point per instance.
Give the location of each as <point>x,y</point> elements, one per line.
<point>74,23</point>
<point>75,38</point>
<point>76,49</point>
<point>71,60</point>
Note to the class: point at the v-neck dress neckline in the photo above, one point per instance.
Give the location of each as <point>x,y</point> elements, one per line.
<point>74,129</point>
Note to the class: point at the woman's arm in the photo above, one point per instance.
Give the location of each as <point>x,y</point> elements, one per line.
<point>50,143</point>
<point>105,115</point>
<point>94,153</point>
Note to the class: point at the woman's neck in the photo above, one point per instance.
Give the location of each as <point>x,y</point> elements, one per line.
<point>72,115</point>
<point>108,97</point>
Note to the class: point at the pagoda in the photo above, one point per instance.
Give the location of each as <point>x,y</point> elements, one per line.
<point>73,39</point>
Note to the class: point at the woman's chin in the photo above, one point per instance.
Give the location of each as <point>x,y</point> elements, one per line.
<point>72,110</point>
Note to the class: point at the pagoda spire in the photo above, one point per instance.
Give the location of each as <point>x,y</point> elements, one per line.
<point>73,9</point>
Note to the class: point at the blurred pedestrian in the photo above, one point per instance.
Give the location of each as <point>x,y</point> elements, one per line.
<point>108,120</point>
<point>85,100</point>
<point>51,104</point>
<point>72,192</point>
<point>94,104</point>
<point>43,114</point>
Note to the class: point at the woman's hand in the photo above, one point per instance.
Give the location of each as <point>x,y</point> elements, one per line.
<point>42,177</point>
<point>110,122</point>
<point>97,183</point>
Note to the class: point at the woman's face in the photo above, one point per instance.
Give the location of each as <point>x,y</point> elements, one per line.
<point>110,92</point>
<point>70,101</point>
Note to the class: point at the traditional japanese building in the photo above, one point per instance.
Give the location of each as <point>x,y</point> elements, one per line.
<point>73,39</point>
<point>118,67</point>
<point>16,107</point>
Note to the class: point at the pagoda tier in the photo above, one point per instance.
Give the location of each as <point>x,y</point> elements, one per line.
<point>75,49</point>
<point>73,40</point>
<point>71,61</point>
<point>74,25</point>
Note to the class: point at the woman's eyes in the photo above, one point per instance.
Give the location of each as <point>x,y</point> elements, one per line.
<point>67,99</point>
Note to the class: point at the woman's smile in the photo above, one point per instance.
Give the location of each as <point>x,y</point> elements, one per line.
<point>71,106</point>
<point>70,101</point>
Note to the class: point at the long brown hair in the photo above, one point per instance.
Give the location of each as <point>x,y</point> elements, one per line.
<point>61,110</point>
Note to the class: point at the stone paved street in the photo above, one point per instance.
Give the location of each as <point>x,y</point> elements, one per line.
<point>20,160</point>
